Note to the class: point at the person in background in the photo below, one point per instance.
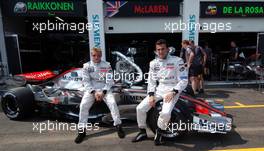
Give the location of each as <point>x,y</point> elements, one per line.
<point>234,50</point>
<point>186,51</point>
<point>188,56</point>
<point>207,67</point>
<point>236,53</point>
<point>197,67</point>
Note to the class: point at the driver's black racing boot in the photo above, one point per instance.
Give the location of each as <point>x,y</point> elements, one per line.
<point>142,135</point>
<point>81,136</point>
<point>120,132</point>
<point>158,137</point>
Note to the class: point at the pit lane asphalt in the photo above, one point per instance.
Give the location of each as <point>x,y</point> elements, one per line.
<point>248,132</point>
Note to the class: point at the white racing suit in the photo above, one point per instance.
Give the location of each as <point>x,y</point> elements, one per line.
<point>97,77</point>
<point>171,75</point>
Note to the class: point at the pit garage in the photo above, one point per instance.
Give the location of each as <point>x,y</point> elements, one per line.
<point>45,35</point>
<point>126,24</point>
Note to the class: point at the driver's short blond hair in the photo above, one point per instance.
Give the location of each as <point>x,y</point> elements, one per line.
<point>94,49</point>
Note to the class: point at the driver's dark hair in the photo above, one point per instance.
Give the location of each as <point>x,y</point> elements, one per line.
<point>191,41</point>
<point>161,41</point>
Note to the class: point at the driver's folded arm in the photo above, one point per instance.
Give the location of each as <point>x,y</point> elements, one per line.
<point>97,77</point>
<point>167,77</point>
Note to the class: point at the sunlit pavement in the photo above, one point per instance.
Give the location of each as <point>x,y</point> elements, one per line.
<point>246,105</point>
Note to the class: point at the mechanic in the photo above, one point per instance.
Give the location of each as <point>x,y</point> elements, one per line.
<point>186,51</point>
<point>236,53</point>
<point>168,76</point>
<point>97,88</point>
<point>197,64</point>
<point>207,67</point>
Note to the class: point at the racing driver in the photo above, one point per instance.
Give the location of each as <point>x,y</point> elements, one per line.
<point>167,77</point>
<point>97,80</point>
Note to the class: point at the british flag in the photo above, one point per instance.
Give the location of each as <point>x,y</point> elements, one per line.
<point>112,7</point>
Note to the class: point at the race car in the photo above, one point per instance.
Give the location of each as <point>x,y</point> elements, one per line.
<point>62,94</point>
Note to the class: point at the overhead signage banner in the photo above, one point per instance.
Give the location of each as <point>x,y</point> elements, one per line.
<point>43,8</point>
<point>142,8</point>
<point>231,9</point>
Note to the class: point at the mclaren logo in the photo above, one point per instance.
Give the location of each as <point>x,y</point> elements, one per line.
<point>211,10</point>
<point>20,7</point>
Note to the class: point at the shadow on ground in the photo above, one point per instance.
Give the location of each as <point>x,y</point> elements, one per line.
<point>203,141</point>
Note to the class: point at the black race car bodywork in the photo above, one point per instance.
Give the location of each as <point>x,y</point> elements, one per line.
<point>62,95</point>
